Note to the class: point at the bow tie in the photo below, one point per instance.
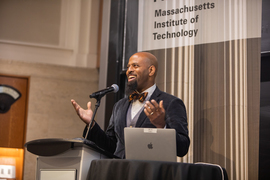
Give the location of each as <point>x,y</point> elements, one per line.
<point>141,97</point>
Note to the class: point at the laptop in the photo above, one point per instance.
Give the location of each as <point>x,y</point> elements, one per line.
<point>150,144</point>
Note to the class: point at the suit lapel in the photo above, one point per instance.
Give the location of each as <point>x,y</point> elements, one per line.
<point>143,116</point>
<point>124,113</point>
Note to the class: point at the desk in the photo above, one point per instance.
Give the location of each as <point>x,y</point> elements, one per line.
<point>116,169</point>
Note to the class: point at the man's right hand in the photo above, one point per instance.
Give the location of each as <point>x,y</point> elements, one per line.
<point>84,114</point>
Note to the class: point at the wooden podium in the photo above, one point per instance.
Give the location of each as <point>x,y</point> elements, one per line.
<point>65,159</point>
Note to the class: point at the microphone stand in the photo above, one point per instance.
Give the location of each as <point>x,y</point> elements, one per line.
<point>98,95</point>
<point>98,98</point>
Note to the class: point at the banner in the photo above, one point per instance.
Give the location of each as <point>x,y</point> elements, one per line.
<point>176,23</point>
<point>209,56</point>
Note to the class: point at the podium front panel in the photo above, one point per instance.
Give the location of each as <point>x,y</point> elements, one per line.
<point>54,174</point>
<point>78,159</point>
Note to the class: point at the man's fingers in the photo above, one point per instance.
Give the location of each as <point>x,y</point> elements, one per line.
<point>89,105</point>
<point>153,106</point>
<point>146,112</point>
<point>155,112</point>
<point>149,107</point>
<point>76,106</point>
<point>73,102</point>
<point>161,104</point>
<point>154,103</point>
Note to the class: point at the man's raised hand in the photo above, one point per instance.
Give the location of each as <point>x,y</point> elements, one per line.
<point>84,114</point>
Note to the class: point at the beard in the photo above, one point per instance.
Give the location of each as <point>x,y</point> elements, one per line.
<point>131,87</point>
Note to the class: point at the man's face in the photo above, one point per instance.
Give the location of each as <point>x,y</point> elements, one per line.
<point>137,72</point>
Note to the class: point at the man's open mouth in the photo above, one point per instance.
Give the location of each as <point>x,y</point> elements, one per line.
<point>131,77</point>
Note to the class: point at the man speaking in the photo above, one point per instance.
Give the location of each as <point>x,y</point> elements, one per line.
<point>146,106</point>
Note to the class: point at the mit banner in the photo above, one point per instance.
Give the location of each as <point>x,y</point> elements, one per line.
<point>209,56</point>
<point>176,23</point>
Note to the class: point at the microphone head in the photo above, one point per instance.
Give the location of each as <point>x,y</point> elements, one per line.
<point>115,87</point>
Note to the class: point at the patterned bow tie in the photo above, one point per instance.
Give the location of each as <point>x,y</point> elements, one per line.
<point>141,97</point>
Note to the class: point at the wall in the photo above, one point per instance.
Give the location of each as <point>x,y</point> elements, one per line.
<point>60,32</point>
<point>55,44</point>
<point>50,113</point>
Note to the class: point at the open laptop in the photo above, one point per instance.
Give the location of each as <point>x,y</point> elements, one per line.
<point>150,144</point>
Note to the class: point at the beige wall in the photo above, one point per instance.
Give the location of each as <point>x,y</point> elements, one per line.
<point>50,113</point>
<point>55,44</point>
<point>60,32</point>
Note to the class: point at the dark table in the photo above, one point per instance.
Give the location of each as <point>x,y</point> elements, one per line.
<point>119,169</point>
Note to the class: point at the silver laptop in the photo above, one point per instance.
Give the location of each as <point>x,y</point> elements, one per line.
<point>150,144</point>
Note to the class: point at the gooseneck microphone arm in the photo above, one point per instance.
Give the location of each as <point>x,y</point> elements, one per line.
<point>93,117</point>
<point>98,95</point>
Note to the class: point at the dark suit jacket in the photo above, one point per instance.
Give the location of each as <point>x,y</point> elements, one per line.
<point>113,139</point>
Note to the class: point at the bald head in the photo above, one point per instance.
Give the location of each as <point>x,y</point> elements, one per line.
<point>142,70</point>
<point>149,58</point>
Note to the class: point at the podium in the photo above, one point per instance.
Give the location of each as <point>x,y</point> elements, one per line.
<point>67,159</point>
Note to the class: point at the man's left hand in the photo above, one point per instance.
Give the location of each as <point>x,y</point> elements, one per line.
<point>155,112</point>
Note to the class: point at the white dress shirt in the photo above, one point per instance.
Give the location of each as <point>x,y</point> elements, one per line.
<point>136,105</point>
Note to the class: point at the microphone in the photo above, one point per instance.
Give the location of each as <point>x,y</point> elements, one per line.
<point>114,88</point>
